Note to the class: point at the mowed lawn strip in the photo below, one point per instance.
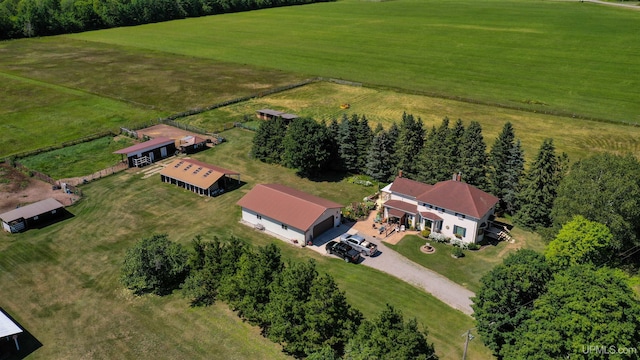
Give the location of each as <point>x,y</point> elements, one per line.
<point>549,56</point>
<point>61,282</point>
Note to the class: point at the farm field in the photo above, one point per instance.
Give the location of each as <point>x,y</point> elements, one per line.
<point>566,56</point>
<point>63,287</point>
<point>56,89</point>
<point>321,101</point>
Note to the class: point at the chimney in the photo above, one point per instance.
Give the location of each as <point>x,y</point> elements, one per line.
<point>399,173</point>
<point>455,176</point>
<point>459,177</point>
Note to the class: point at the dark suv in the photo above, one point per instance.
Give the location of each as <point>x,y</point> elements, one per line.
<point>344,251</point>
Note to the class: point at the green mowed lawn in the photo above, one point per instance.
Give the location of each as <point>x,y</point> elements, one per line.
<point>80,159</point>
<point>468,269</point>
<point>568,56</point>
<point>61,282</point>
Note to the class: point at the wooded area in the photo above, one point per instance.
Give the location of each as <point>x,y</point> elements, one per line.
<point>29,18</point>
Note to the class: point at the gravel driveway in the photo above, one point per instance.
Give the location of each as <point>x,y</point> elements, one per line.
<point>392,263</point>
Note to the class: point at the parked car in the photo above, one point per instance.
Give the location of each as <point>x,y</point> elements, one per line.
<point>360,244</point>
<point>344,251</point>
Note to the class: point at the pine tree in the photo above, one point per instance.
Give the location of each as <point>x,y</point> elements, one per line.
<point>539,188</point>
<point>348,143</point>
<point>378,129</point>
<point>428,158</point>
<point>506,166</point>
<point>267,142</point>
<point>364,137</point>
<point>333,146</point>
<point>379,163</point>
<point>473,156</point>
<point>455,139</point>
<point>409,145</point>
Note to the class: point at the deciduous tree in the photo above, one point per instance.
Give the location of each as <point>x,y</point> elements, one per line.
<point>583,307</point>
<point>603,188</point>
<point>580,241</point>
<point>506,297</point>
<point>154,265</point>
<point>305,146</point>
<point>388,336</point>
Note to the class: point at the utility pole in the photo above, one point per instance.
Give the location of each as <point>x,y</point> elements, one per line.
<point>466,344</point>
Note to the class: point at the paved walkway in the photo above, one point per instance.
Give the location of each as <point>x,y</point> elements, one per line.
<point>392,263</point>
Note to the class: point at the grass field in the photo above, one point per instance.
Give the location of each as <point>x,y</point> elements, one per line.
<point>56,89</point>
<point>79,160</point>
<point>546,55</point>
<point>63,287</point>
<point>321,101</point>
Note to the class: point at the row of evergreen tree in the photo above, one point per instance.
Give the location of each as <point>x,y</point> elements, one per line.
<point>350,145</point>
<point>27,18</point>
<point>292,303</point>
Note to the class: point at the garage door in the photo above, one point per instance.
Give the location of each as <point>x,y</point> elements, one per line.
<point>325,225</point>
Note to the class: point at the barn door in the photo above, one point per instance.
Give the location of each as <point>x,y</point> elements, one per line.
<point>163,152</point>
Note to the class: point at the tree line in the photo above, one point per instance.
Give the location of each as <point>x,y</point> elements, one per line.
<point>292,303</point>
<point>565,303</point>
<point>28,18</point>
<point>541,197</point>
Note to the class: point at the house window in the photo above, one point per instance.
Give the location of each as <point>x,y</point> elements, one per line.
<point>460,216</point>
<point>259,216</point>
<point>285,227</point>
<point>459,231</point>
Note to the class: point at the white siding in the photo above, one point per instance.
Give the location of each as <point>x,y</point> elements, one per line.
<point>273,226</point>
<point>335,213</point>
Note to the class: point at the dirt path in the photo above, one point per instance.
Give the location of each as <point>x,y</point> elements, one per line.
<point>628,6</point>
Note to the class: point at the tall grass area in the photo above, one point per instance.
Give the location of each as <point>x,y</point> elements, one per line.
<point>571,57</point>
<point>61,282</point>
<point>80,159</point>
<point>321,101</point>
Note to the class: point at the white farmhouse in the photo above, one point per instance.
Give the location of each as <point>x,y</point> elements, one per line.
<point>452,208</point>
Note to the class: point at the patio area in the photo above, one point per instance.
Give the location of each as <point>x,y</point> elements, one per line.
<point>391,233</point>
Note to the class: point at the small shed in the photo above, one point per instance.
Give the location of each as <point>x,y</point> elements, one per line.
<point>31,215</point>
<point>269,114</point>
<point>200,177</point>
<point>9,330</point>
<point>191,144</point>
<point>149,151</point>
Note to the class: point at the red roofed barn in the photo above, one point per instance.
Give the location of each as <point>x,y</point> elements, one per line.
<point>289,213</point>
<point>452,207</point>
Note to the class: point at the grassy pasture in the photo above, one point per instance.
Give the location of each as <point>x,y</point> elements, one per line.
<point>64,289</point>
<point>321,101</point>
<point>79,160</point>
<point>545,55</point>
<point>56,89</point>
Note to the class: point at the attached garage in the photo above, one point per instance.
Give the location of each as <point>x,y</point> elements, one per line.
<point>289,213</point>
